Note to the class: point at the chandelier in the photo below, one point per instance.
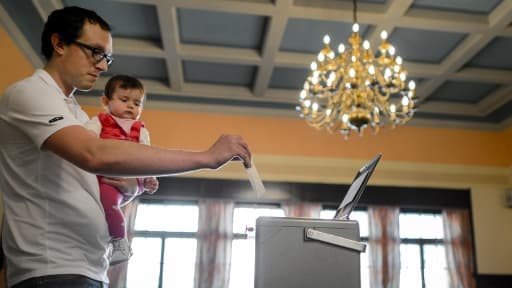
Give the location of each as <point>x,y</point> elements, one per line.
<point>357,88</point>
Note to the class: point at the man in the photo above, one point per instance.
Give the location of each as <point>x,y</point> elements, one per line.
<point>55,233</point>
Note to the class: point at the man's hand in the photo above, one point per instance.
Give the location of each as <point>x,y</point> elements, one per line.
<point>228,147</point>
<point>129,187</point>
<point>150,185</point>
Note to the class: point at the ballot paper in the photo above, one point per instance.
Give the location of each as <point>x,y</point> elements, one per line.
<point>254,178</point>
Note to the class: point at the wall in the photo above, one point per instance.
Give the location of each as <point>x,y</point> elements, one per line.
<point>288,150</point>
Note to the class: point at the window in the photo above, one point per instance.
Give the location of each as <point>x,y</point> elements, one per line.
<point>243,247</point>
<point>362,218</point>
<point>164,250</point>
<point>422,251</point>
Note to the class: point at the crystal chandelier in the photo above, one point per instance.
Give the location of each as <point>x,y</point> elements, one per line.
<point>357,88</point>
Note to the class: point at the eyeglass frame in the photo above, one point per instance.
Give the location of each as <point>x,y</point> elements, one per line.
<point>95,52</point>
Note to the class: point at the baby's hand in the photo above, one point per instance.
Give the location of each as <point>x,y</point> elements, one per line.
<point>150,184</point>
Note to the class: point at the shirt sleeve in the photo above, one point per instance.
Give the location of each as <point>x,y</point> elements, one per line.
<point>144,136</point>
<point>38,111</point>
<point>94,125</point>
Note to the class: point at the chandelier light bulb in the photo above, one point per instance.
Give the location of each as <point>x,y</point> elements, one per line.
<point>392,108</point>
<point>306,85</point>
<point>307,103</point>
<point>355,28</point>
<point>328,112</point>
<point>366,45</point>
<point>315,106</point>
<point>398,60</point>
<point>331,55</point>
<point>383,35</point>
<point>314,80</point>
<point>341,48</point>
<point>387,73</point>
<point>412,85</point>
<point>405,101</point>
<point>332,76</point>
<point>321,57</point>
<point>403,76</point>
<point>353,58</point>
<point>344,118</point>
<point>327,39</point>
<point>396,68</point>
<point>352,73</point>
<point>392,51</point>
<point>371,70</point>
<point>313,66</point>
<point>302,94</point>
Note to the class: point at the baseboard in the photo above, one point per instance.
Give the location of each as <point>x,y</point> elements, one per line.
<point>493,281</point>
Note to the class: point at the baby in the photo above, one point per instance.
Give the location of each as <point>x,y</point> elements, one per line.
<point>123,100</point>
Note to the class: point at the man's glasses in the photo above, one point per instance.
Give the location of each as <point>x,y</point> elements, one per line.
<point>96,53</point>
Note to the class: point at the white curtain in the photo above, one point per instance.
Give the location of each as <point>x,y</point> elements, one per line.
<point>459,248</point>
<point>214,243</point>
<point>384,244</point>
<point>302,209</point>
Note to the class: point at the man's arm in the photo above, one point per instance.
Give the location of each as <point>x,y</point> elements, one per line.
<point>125,158</point>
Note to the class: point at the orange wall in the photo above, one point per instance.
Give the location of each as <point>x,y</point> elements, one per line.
<point>14,65</point>
<point>293,137</point>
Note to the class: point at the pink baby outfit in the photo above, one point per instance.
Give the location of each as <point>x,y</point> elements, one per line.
<point>110,197</point>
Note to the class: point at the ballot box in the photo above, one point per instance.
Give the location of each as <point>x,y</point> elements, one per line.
<point>307,253</point>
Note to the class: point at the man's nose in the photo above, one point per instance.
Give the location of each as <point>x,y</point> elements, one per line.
<point>102,65</point>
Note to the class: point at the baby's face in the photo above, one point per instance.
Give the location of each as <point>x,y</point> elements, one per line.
<point>126,103</point>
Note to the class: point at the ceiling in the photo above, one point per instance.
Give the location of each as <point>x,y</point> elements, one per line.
<point>252,57</point>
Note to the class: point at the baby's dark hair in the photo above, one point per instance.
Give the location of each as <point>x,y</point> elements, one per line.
<point>124,82</point>
<point>68,23</point>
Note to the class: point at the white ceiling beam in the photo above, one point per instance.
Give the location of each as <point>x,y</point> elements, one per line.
<point>170,39</point>
<point>275,31</point>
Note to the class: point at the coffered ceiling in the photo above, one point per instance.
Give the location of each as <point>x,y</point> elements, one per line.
<point>251,57</point>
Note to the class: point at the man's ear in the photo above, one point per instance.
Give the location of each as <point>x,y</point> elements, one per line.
<point>58,45</point>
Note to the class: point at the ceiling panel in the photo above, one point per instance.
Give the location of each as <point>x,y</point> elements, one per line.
<point>143,20</point>
<point>464,6</point>
<point>495,55</point>
<point>217,28</point>
<point>142,67</point>
<point>463,92</point>
<point>217,73</point>
<point>306,36</point>
<point>288,78</point>
<point>417,45</point>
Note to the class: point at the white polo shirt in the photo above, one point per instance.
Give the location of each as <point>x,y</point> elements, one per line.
<point>54,222</point>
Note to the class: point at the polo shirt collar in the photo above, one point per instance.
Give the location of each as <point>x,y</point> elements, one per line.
<point>48,79</point>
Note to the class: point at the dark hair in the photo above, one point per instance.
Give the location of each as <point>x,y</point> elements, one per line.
<point>124,82</point>
<point>68,23</point>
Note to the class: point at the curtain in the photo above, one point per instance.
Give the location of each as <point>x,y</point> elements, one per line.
<point>214,243</point>
<point>384,244</point>
<point>459,248</point>
<point>117,274</point>
<point>302,209</point>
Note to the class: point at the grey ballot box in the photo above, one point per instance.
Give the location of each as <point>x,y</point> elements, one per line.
<point>306,253</point>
